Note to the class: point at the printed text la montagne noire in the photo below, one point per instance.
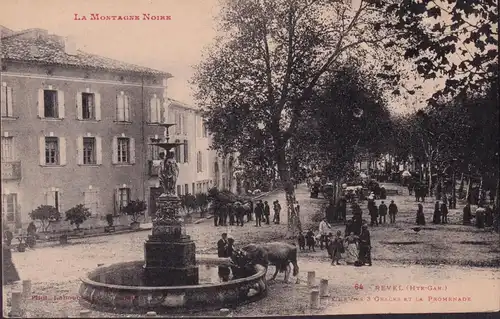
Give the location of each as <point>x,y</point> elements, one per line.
<point>99,17</point>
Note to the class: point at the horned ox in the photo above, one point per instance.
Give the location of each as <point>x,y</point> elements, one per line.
<point>278,254</point>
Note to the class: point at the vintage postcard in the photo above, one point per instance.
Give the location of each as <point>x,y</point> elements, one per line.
<point>249,158</point>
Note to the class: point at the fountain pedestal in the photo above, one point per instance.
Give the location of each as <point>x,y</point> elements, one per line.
<point>169,253</point>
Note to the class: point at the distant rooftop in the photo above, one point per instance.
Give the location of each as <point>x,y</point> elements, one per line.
<point>38,46</point>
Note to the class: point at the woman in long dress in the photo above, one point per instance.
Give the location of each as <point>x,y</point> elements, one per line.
<point>351,250</point>
<point>10,274</point>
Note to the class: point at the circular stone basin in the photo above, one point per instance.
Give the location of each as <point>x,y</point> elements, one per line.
<point>121,287</point>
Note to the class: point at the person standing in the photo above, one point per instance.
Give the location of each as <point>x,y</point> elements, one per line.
<point>382,211</point>
<point>267,212</point>
<point>250,211</point>
<point>467,215</point>
<point>444,212</point>
<point>365,246</point>
<point>420,215</point>
<point>10,274</point>
<point>324,229</point>
<point>8,236</point>
<point>31,238</point>
<point>351,241</point>
<point>277,210</point>
<point>393,210</point>
<point>372,208</point>
<point>222,251</point>
<point>480,216</point>
<point>259,211</point>
<point>337,246</point>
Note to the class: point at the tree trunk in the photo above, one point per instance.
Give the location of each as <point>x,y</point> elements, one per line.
<point>454,191</point>
<point>294,224</point>
<point>430,178</point>
<point>497,195</point>
<point>469,187</point>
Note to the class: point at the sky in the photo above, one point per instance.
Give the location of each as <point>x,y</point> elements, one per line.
<point>174,45</point>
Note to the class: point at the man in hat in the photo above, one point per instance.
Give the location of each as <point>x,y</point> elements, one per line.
<point>324,229</point>
<point>223,251</point>
<point>393,210</point>
<point>365,246</point>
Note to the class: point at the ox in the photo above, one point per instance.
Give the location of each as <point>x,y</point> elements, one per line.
<point>278,254</point>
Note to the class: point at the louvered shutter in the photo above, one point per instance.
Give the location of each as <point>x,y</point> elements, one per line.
<point>132,150</point>
<point>41,103</point>
<point>98,150</point>
<point>41,146</point>
<point>62,151</point>
<point>184,123</point>
<point>153,110</point>
<point>9,101</point>
<point>97,98</point>
<point>127,109</point>
<point>79,109</point>
<point>114,149</point>
<point>60,103</point>
<point>120,104</point>
<point>79,150</point>
<point>3,100</point>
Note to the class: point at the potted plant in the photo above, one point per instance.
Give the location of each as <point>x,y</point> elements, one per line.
<point>135,209</point>
<point>110,219</point>
<point>76,216</point>
<point>188,203</point>
<point>46,214</point>
<point>202,203</point>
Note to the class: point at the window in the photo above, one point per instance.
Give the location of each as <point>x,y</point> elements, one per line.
<point>53,198</point>
<point>6,100</point>
<point>184,124</point>
<point>154,151</point>
<point>122,108</point>
<point>177,152</point>
<point>51,151</point>
<point>186,151</point>
<point>91,201</point>
<point>186,189</point>
<point>123,150</point>
<point>178,128</point>
<point>199,163</point>
<point>179,190</point>
<point>156,113</point>
<point>204,129</point>
<point>50,104</point>
<point>7,149</point>
<point>123,197</point>
<point>88,106</point>
<point>193,187</point>
<point>89,151</point>
<point>9,207</point>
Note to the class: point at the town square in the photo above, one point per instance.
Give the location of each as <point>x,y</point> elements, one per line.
<point>249,158</point>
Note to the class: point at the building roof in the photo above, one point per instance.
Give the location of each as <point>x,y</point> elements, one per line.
<point>183,105</point>
<point>42,48</point>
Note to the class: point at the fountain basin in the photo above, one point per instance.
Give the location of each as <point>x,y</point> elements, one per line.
<point>120,287</point>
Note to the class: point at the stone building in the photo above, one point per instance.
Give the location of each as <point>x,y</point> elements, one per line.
<point>76,129</point>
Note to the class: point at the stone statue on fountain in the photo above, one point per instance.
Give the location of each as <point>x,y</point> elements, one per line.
<point>168,203</point>
<point>168,173</point>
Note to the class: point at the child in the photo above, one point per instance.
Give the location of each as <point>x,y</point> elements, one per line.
<point>310,241</point>
<point>337,245</point>
<point>302,241</point>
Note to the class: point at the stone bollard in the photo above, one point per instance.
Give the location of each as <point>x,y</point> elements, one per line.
<point>311,278</point>
<point>224,312</point>
<point>315,299</point>
<point>323,288</point>
<point>85,313</point>
<point>16,304</point>
<point>27,289</point>
<point>151,314</point>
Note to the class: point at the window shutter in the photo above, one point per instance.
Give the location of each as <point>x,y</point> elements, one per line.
<point>97,97</point>
<point>79,112</point>
<point>60,103</point>
<point>119,107</point>
<point>3,100</point>
<point>98,150</point>
<point>51,198</point>
<point>184,123</point>
<point>62,151</point>
<point>132,150</point>
<point>127,109</point>
<point>60,202</point>
<point>41,104</point>
<point>116,198</point>
<point>153,110</point>
<point>79,150</point>
<point>41,146</point>
<point>161,111</point>
<point>114,149</point>
<point>9,101</point>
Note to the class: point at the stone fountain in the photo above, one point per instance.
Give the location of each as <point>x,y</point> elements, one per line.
<point>170,277</point>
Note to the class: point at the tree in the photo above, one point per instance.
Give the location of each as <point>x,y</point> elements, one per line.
<point>77,215</point>
<point>46,214</point>
<point>255,82</point>
<point>457,39</point>
<point>135,209</point>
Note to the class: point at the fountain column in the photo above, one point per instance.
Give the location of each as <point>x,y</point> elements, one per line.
<point>169,253</point>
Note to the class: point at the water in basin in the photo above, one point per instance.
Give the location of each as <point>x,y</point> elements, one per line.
<point>133,275</point>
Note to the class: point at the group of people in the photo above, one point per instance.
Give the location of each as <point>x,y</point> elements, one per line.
<point>484,215</point>
<point>262,213</point>
<point>225,247</point>
<point>378,214</point>
<point>234,214</point>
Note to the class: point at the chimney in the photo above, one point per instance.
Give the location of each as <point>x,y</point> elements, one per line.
<point>70,46</point>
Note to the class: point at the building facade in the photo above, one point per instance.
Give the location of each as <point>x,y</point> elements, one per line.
<point>76,129</point>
